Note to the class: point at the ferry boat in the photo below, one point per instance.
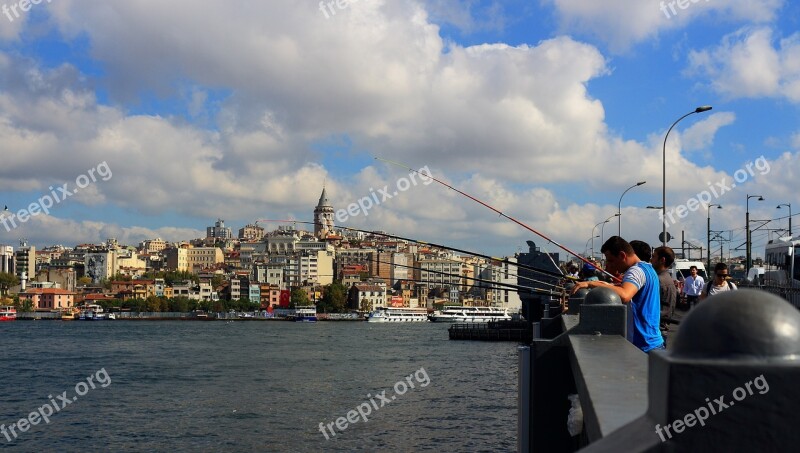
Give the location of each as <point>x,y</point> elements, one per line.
<point>92,313</point>
<point>470,314</point>
<point>396,314</point>
<point>305,314</point>
<point>8,313</point>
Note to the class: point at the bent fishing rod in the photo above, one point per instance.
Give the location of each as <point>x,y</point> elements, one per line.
<point>429,244</point>
<point>502,214</point>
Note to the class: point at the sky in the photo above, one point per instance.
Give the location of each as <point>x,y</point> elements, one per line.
<point>161,117</point>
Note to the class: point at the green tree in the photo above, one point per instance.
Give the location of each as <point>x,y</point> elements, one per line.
<point>298,298</point>
<point>7,281</point>
<point>334,299</point>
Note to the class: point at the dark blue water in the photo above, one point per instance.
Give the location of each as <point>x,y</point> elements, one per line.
<point>255,386</point>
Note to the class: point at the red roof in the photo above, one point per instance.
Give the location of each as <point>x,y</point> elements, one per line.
<point>41,291</point>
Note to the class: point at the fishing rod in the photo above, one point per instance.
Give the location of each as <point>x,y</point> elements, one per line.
<point>430,244</point>
<point>562,247</point>
<point>462,276</point>
<point>518,289</point>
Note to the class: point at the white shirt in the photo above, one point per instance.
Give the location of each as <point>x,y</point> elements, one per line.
<point>693,286</point>
<point>714,289</point>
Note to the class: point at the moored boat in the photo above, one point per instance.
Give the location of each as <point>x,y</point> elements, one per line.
<point>305,314</point>
<point>397,314</point>
<point>8,313</point>
<point>470,314</point>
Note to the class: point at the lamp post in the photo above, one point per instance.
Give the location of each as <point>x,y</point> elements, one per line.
<point>593,236</point>
<point>748,258</point>
<point>700,109</point>
<point>586,247</point>
<point>708,260</point>
<point>789,205</point>
<point>602,237</point>
<point>619,207</point>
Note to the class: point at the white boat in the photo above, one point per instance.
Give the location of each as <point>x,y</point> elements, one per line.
<point>92,313</point>
<point>470,314</point>
<point>392,314</point>
<point>305,314</point>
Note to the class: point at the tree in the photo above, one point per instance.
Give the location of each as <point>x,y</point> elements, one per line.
<point>335,298</point>
<point>84,281</point>
<point>7,281</point>
<point>298,298</point>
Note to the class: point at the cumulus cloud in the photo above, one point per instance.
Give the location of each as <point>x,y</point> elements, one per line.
<point>751,63</point>
<point>624,23</point>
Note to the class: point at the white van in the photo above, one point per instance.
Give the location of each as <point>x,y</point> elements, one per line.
<point>680,269</point>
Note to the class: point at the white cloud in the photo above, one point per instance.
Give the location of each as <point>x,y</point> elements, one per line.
<point>750,64</point>
<point>624,23</point>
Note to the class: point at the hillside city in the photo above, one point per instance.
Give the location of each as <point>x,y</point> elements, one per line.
<point>338,270</point>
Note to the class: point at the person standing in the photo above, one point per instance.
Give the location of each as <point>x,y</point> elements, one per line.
<point>662,259</point>
<point>639,290</point>
<point>720,283</point>
<point>693,286</point>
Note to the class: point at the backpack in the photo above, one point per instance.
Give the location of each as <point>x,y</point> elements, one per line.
<point>708,286</point>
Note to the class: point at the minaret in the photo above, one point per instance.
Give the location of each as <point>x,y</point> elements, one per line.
<point>323,217</point>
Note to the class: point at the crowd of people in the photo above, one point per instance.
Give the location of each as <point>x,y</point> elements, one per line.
<point>640,276</point>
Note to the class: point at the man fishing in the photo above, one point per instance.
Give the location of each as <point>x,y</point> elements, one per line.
<point>639,288</point>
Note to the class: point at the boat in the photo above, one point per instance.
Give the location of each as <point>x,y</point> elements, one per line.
<point>67,315</point>
<point>397,314</point>
<point>305,314</point>
<point>111,316</point>
<point>8,313</point>
<point>470,314</point>
<point>92,313</point>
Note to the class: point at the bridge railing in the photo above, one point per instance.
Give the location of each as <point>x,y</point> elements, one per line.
<point>728,383</point>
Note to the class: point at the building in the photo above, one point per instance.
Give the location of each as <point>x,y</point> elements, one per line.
<point>441,272</point>
<point>366,297</point>
<point>199,258</point>
<point>251,233</point>
<point>65,278</point>
<point>6,259</point>
<point>323,217</point>
<point>504,273</point>
<point>219,232</point>
<point>240,287</point>
<point>48,298</point>
<point>153,245</point>
<point>177,259</point>
<point>25,261</point>
<point>100,264</point>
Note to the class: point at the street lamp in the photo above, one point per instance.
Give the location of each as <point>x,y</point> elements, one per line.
<point>700,109</point>
<point>593,236</point>
<point>586,247</point>
<point>789,205</point>
<point>749,259</point>
<point>604,226</point>
<point>708,261</point>
<point>619,206</point>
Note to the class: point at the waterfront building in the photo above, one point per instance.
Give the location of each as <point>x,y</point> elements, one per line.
<point>65,278</point>
<point>48,298</point>
<point>367,297</point>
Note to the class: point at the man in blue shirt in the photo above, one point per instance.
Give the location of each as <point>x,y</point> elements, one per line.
<point>639,288</point>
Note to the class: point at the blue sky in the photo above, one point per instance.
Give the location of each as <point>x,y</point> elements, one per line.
<point>547,110</point>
